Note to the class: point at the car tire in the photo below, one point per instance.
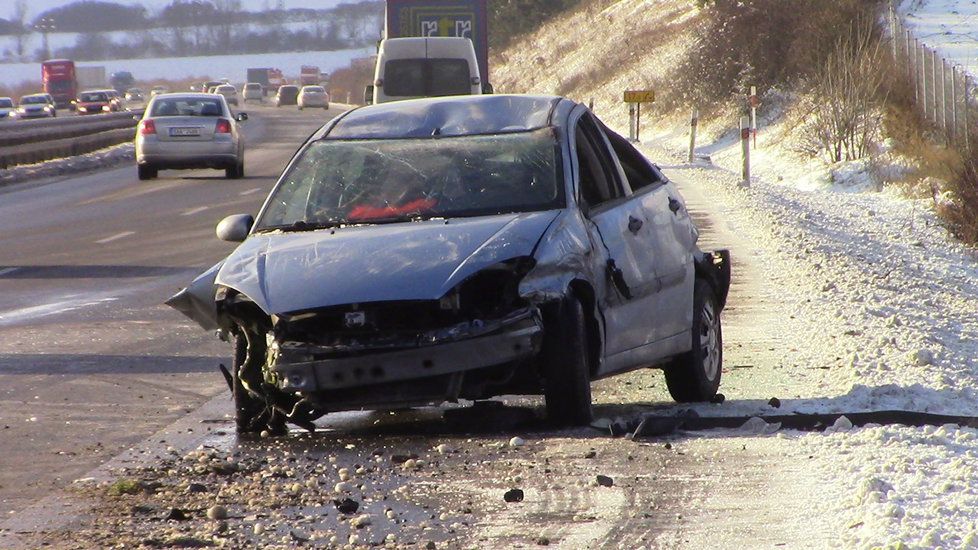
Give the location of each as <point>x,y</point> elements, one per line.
<point>567,376</point>
<point>146,172</point>
<point>326,107</point>
<point>235,171</point>
<point>695,375</point>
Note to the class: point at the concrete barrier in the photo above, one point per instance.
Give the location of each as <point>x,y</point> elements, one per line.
<point>31,153</point>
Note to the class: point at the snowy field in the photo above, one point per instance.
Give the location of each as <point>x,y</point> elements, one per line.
<point>217,66</point>
<point>950,26</point>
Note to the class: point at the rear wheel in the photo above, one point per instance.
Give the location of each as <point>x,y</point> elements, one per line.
<point>146,172</point>
<point>235,171</point>
<point>565,365</point>
<point>695,375</point>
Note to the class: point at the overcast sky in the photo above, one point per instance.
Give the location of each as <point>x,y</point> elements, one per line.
<point>36,7</point>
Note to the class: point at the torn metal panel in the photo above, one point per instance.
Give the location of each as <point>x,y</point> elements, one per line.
<point>196,301</point>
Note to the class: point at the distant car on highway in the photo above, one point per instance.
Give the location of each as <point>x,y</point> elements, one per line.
<point>253,91</point>
<point>93,102</point>
<point>36,106</point>
<point>313,96</point>
<point>287,95</point>
<point>135,95</point>
<point>189,130</point>
<point>156,90</point>
<point>229,92</point>
<point>8,111</point>
<point>461,247</point>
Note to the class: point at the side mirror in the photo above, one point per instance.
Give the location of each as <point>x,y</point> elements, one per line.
<point>487,88</point>
<point>241,117</point>
<point>368,94</point>
<point>235,228</point>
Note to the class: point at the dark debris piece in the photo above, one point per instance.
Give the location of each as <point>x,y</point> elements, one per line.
<point>347,505</point>
<point>513,495</point>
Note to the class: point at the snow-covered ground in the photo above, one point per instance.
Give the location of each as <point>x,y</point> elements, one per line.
<point>215,66</point>
<point>950,26</point>
<point>877,299</point>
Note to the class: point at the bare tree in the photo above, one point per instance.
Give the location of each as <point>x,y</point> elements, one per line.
<point>847,114</point>
<point>20,26</point>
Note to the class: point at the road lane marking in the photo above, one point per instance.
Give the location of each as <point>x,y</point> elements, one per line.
<point>68,303</point>
<point>116,237</point>
<point>250,191</point>
<point>7,270</point>
<point>193,211</point>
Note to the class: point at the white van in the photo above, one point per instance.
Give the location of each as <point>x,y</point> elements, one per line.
<point>415,67</point>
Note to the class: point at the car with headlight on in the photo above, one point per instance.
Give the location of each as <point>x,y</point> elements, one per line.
<point>94,102</point>
<point>8,111</point>
<point>313,96</point>
<point>189,130</point>
<point>461,247</point>
<point>135,95</point>
<point>36,106</point>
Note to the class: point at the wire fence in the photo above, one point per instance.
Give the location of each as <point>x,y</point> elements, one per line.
<point>943,92</point>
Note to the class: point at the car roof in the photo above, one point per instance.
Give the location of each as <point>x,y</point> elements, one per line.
<point>34,95</point>
<point>444,116</point>
<point>189,95</point>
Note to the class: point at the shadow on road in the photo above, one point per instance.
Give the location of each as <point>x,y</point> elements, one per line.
<point>76,364</point>
<point>91,271</point>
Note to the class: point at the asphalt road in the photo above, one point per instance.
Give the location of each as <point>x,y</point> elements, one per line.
<point>91,362</point>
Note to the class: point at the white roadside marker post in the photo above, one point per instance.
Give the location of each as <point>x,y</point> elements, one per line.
<point>693,121</point>
<point>754,102</point>
<point>745,148</point>
<point>631,122</point>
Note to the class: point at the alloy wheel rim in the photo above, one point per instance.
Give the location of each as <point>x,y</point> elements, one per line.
<point>710,341</point>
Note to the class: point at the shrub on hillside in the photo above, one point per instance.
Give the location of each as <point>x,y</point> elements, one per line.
<point>511,18</point>
<point>763,43</point>
<point>960,212</point>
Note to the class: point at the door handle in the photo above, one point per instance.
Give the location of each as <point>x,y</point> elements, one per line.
<point>674,205</point>
<point>634,224</point>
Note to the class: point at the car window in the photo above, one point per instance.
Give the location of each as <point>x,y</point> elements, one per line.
<point>33,100</point>
<point>638,169</point>
<point>6,103</point>
<point>598,184</point>
<point>363,181</point>
<point>183,106</point>
<point>95,96</point>
<point>426,77</point>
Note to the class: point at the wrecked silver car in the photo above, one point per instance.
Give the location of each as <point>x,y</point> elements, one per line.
<point>461,247</point>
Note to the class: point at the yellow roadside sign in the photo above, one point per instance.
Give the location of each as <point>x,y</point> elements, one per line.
<point>639,96</point>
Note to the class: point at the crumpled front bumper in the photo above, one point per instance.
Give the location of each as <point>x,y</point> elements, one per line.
<point>517,337</point>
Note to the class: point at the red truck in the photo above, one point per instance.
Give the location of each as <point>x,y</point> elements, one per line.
<point>58,78</point>
<point>309,75</point>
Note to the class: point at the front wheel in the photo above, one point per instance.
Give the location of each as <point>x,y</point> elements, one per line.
<point>146,172</point>
<point>567,375</point>
<point>695,375</point>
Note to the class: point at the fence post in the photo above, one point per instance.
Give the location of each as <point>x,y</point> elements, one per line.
<point>967,112</point>
<point>944,116</point>
<point>910,68</point>
<point>693,121</point>
<point>954,103</point>
<point>893,34</point>
<point>745,149</point>
<point>933,79</point>
<point>638,120</point>
<point>922,70</point>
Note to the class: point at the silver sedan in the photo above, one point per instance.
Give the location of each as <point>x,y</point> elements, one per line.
<point>313,96</point>
<point>181,131</point>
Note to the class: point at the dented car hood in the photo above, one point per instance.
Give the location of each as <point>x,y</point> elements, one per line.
<point>287,272</point>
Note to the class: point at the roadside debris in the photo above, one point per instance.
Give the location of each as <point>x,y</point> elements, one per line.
<point>513,495</point>
<point>604,481</point>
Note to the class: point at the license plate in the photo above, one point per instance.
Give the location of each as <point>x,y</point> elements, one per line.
<point>184,131</point>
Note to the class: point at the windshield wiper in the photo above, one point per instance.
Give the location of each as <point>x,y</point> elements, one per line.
<point>300,225</point>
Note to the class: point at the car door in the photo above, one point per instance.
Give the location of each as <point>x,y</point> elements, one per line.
<point>619,232</point>
<point>673,238</point>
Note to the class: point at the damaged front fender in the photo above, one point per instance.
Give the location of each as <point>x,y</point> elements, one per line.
<point>198,302</point>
